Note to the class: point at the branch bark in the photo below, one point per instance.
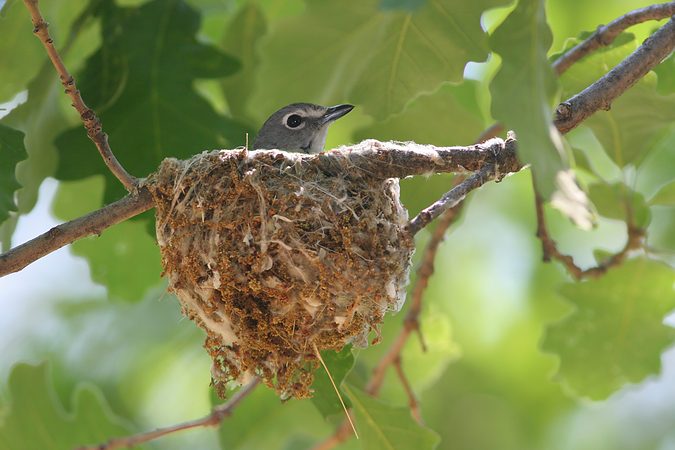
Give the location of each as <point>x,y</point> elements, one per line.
<point>399,157</point>
<point>217,415</point>
<point>89,118</point>
<point>603,92</point>
<point>369,158</point>
<point>605,34</point>
<point>92,224</point>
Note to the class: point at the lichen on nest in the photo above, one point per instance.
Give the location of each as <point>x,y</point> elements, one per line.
<point>273,259</point>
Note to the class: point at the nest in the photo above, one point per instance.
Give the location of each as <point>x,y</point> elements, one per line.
<point>274,259</point>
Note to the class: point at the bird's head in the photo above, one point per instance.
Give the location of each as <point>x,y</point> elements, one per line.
<point>299,127</point>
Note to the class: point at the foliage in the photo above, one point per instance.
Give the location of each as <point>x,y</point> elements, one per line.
<point>176,77</point>
<point>32,402</point>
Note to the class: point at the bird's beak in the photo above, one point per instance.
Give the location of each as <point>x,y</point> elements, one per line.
<point>335,112</point>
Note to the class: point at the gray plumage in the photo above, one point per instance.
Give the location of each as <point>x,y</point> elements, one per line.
<point>299,127</point>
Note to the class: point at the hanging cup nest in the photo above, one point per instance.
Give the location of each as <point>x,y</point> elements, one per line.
<point>273,258</point>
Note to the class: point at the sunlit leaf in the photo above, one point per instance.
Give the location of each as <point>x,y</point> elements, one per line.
<point>36,419</point>
<point>12,151</point>
<point>377,59</point>
<point>140,83</point>
<point>524,88</point>
<point>382,426</point>
<point>615,335</point>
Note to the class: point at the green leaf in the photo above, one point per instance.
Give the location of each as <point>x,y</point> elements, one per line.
<point>434,118</point>
<point>635,124</point>
<point>35,419</point>
<point>424,368</point>
<point>262,421</point>
<point>378,59</point>
<point>523,90</point>
<point>615,335</point>
<point>406,5</point>
<point>339,365</point>
<point>124,258</point>
<point>666,75</point>
<point>42,116</point>
<point>665,196</point>
<point>661,236</point>
<point>382,426</point>
<point>141,83</point>
<point>240,41</point>
<point>613,201</point>
<point>20,51</point>
<point>12,151</point>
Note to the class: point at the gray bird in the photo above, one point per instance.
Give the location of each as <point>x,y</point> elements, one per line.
<point>299,127</point>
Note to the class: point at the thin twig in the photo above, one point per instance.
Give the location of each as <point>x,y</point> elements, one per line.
<point>606,34</point>
<point>452,198</point>
<point>550,250</point>
<point>92,224</point>
<point>603,92</point>
<point>413,403</point>
<point>91,122</point>
<point>602,37</point>
<point>218,414</point>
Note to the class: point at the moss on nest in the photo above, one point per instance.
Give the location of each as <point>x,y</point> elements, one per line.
<point>272,259</point>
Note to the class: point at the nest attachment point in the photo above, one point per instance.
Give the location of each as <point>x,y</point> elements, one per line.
<point>272,257</point>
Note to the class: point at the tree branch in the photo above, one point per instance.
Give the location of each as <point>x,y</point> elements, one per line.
<point>494,170</point>
<point>448,159</point>
<point>91,122</point>
<point>369,158</point>
<point>602,93</point>
<point>218,414</point>
<point>92,224</point>
<point>605,34</point>
<point>550,249</point>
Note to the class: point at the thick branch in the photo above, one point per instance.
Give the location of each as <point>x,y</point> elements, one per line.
<point>91,122</point>
<point>92,224</point>
<point>605,34</point>
<point>369,158</point>
<point>602,93</point>
<point>401,159</point>
<point>395,159</point>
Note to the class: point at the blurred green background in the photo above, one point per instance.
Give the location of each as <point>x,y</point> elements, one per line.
<point>109,350</point>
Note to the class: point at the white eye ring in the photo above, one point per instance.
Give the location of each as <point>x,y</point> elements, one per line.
<point>300,126</point>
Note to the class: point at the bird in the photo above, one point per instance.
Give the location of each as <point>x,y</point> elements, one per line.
<point>299,127</point>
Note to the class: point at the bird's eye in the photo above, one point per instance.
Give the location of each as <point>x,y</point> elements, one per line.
<point>293,121</point>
